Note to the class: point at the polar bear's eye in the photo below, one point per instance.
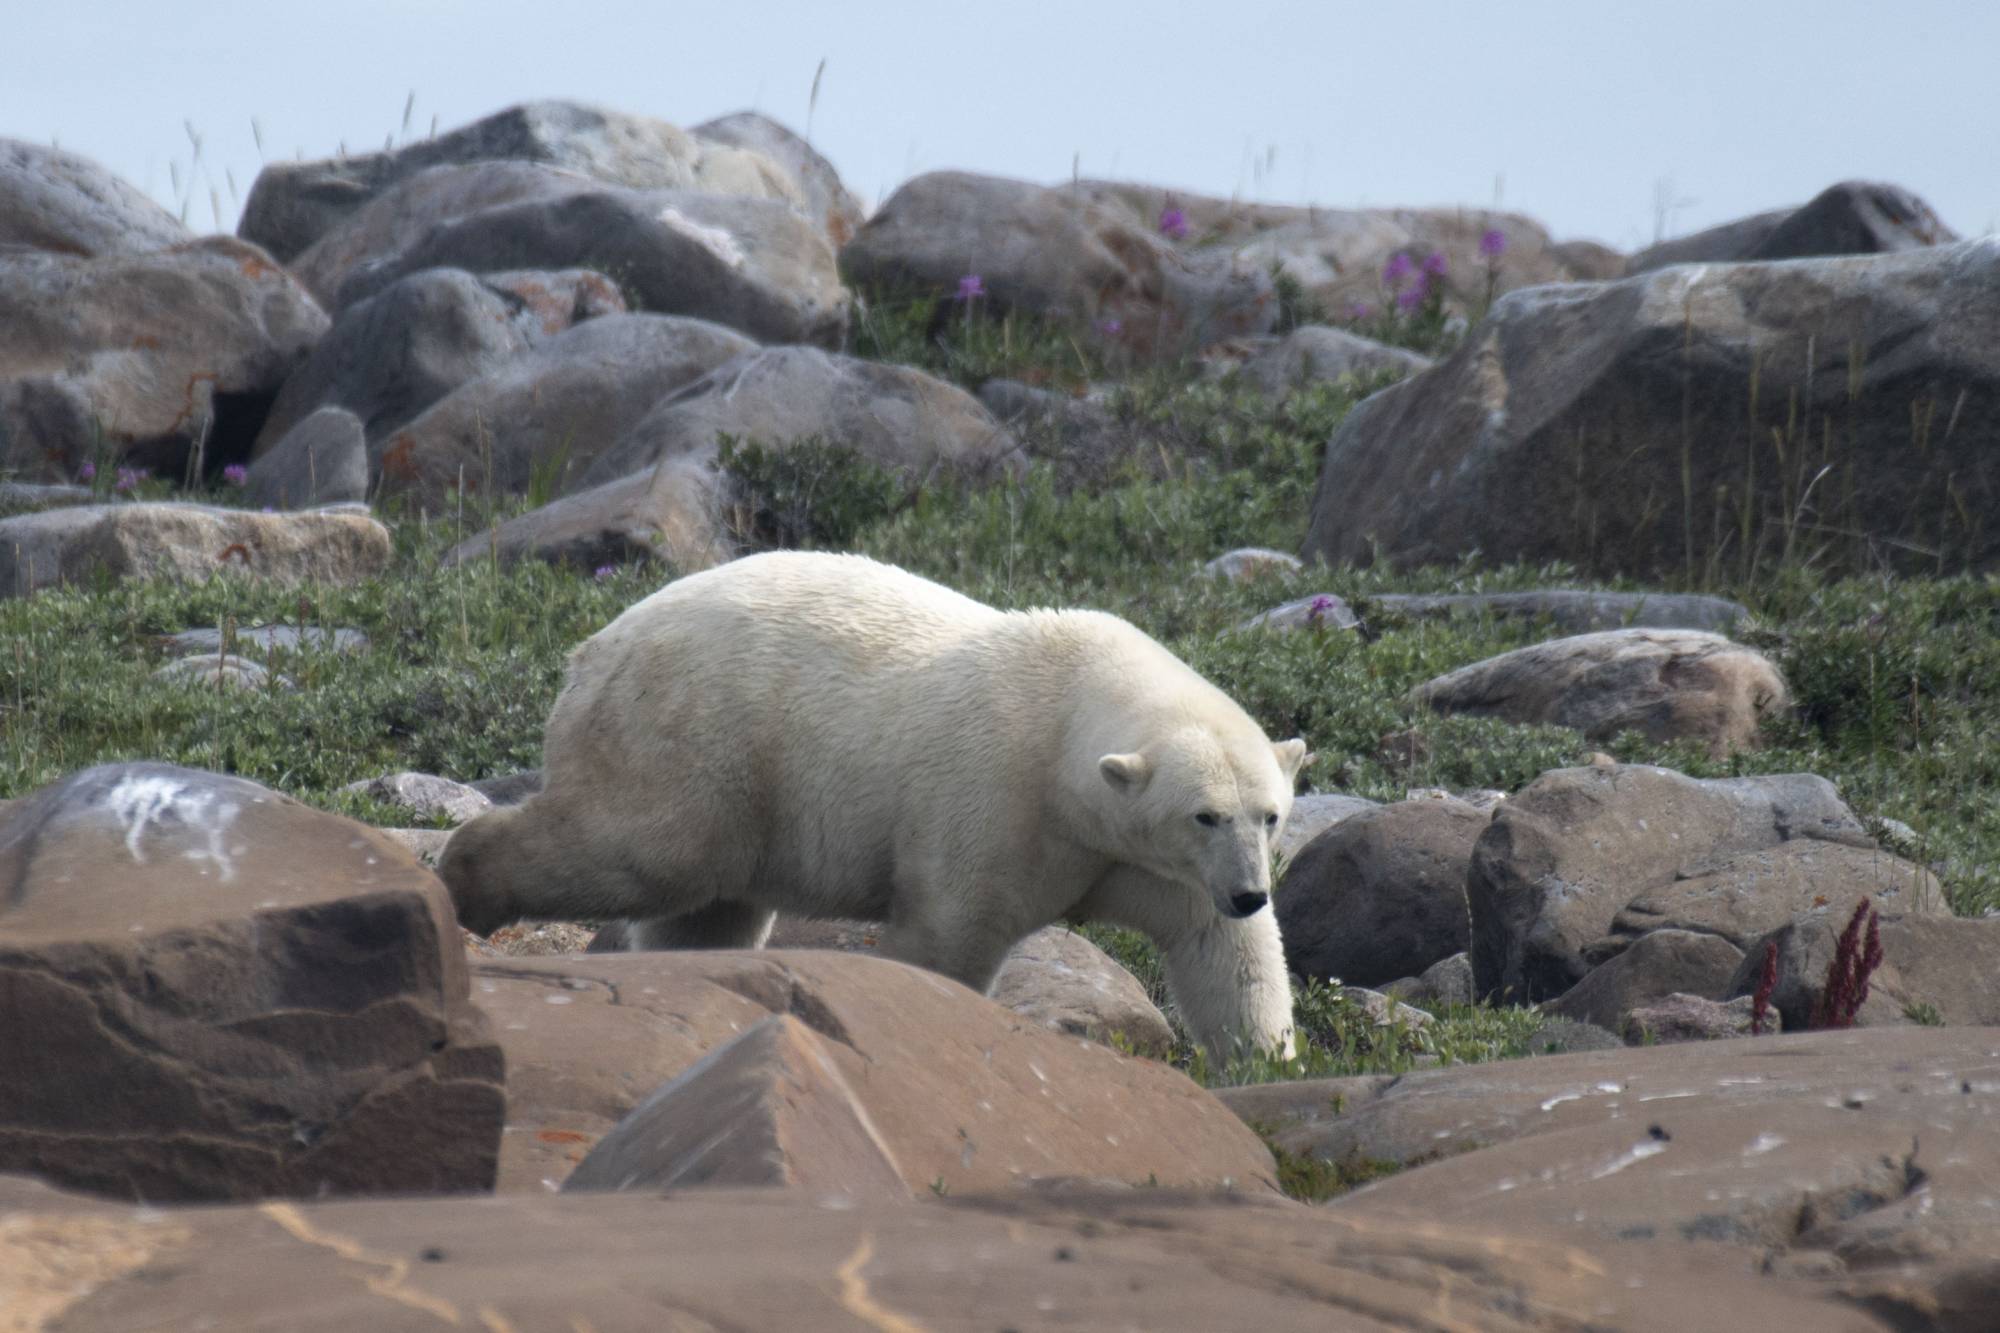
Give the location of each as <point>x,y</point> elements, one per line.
<point>1271,820</point>
<point>1207,819</point>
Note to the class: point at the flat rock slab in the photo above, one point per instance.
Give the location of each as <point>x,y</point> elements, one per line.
<point>190,542</point>
<point>1573,610</point>
<point>707,1259</point>
<point>965,1094</point>
<point>213,991</point>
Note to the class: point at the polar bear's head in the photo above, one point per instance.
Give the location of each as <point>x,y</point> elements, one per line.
<point>1202,808</point>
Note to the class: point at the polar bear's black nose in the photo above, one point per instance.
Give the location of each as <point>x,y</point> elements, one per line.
<point>1243,904</point>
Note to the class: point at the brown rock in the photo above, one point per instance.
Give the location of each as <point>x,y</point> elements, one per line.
<point>1946,964</point>
<point>1064,982</point>
<point>1668,684</point>
<point>191,542</point>
<point>676,513</point>
<point>1755,893</point>
<point>215,992</point>
<point>1569,851</point>
<point>1381,894</point>
<point>1657,965</point>
<point>962,1092</point>
<point>705,1259</point>
<point>137,357</point>
<point>1694,1018</point>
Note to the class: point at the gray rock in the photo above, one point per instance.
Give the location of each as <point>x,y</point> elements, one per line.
<point>1062,981</point>
<point>548,413</point>
<point>1566,1036</point>
<point>826,201</point>
<point>293,204</point>
<point>1252,562</point>
<point>1317,612</point>
<point>1083,438</point>
<point>321,460</point>
<point>65,203</point>
<point>137,358</point>
<point>756,265</point>
<point>895,417</point>
<point>388,358</point>
<point>271,638</point>
<point>511,788</point>
<point>1381,894</point>
<point>26,497</point>
<point>215,992</point>
<point>1673,1018</point>
<point>424,795</point>
<point>1387,1010</point>
<point>1659,964</point>
<point>1445,982</point>
<point>189,542</point>
<point>1851,218</point>
<point>1315,354</point>
<point>1667,684</point>
<point>677,513</point>
<point>1614,426</point>
<point>231,671</point>
<point>1944,963</point>
<point>1566,854</point>
<point>1313,814</point>
<point>1057,254</point>
<point>1572,610</point>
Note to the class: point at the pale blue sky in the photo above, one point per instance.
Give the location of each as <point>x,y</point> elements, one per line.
<point>1586,112</point>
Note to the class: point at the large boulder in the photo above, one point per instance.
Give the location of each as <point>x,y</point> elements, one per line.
<point>321,460</point>
<point>1658,964</point>
<point>1929,963</point>
<point>1380,895</point>
<point>677,514</point>
<point>550,411</point>
<point>693,1260</point>
<point>826,201</point>
<point>190,542</point>
<point>1570,850</point>
<point>962,1094</point>
<point>1669,685</point>
<point>141,357</point>
<point>1061,980</point>
<point>1057,254</point>
<point>895,417</point>
<point>388,358</point>
<point>293,204</point>
<point>1313,814</point>
<point>754,264</point>
<point>63,202</point>
<point>215,992</point>
<point>1851,218</point>
<point>1337,255</point>
<point>1693,420</point>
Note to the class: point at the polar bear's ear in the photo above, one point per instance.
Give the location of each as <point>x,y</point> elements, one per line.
<point>1126,772</point>
<point>1292,756</point>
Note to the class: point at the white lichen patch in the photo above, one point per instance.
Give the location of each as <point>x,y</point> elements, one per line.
<point>141,803</point>
<point>715,240</point>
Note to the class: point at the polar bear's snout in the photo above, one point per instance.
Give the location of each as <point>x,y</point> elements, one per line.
<point>1247,904</point>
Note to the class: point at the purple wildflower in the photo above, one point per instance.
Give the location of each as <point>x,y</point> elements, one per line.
<point>1173,223</point>
<point>129,477</point>
<point>1397,269</point>
<point>604,572</point>
<point>1320,606</point>
<point>1493,243</point>
<point>86,472</point>
<point>1411,297</point>
<point>1111,328</point>
<point>1435,264</point>
<point>970,287</point>
<point>236,474</point>
<point>1360,310</point>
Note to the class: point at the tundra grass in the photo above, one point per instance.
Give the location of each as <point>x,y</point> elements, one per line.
<point>1897,680</point>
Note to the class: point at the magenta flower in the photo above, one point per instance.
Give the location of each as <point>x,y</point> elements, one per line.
<point>86,472</point>
<point>970,287</point>
<point>1435,264</point>
<point>604,572</point>
<point>1320,606</point>
<point>1410,297</point>
<point>236,474</point>
<point>1174,223</point>
<point>129,477</point>
<point>1397,269</point>
<point>1493,243</point>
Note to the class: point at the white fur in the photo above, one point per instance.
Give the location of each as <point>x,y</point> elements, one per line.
<point>823,735</point>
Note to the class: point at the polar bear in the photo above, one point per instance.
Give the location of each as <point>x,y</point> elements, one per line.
<point>823,735</point>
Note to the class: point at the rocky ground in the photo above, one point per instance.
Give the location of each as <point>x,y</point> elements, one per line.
<point>1642,899</point>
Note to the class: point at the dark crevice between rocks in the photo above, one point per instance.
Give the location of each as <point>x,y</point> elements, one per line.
<point>790,996</point>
